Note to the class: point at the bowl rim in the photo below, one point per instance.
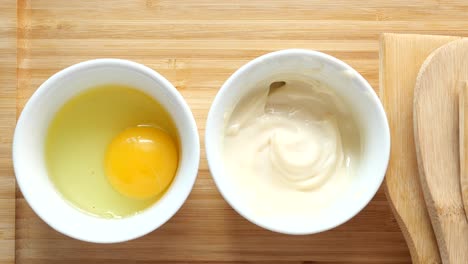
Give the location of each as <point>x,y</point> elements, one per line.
<point>217,172</point>
<point>191,165</point>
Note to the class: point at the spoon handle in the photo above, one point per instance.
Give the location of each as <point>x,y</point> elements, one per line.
<point>463,134</point>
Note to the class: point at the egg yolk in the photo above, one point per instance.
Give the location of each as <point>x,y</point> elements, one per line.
<point>141,162</point>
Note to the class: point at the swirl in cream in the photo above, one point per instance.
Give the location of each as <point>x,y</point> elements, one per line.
<point>294,136</point>
<point>305,158</point>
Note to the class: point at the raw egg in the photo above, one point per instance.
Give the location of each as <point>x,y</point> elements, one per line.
<point>141,161</point>
<point>102,160</point>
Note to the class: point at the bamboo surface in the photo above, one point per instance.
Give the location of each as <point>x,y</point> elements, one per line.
<point>197,45</point>
<point>436,137</point>
<point>401,57</point>
<point>7,124</point>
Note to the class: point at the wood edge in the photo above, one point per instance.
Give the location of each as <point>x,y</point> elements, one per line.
<point>415,257</point>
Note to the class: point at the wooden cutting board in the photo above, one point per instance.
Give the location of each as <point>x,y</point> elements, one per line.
<point>401,59</point>
<point>197,45</point>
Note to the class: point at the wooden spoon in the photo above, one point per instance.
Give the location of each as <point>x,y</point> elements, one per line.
<point>437,151</point>
<point>463,131</point>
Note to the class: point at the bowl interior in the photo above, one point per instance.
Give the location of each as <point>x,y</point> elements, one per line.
<point>354,90</point>
<point>30,134</point>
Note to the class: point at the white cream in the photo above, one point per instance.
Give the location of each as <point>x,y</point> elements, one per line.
<point>291,148</point>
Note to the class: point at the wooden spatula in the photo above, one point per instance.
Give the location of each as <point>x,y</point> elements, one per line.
<point>463,133</point>
<point>401,57</point>
<point>437,151</point>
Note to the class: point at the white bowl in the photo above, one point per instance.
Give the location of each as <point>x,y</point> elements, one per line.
<point>30,134</point>
<point>346,82</point>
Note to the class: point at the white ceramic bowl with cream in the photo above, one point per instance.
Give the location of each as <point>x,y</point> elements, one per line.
<point>359,101</point>
<point>30,134</point>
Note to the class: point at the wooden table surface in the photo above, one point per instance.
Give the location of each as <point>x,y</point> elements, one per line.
<point>7,124</point>
<point>197,45</point>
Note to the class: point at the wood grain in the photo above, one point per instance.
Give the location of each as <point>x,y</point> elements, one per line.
<point>197,44</point>
<point>437,148</point>
<point>463,140</point>
<point>7,123</point>
<point>401,56</point>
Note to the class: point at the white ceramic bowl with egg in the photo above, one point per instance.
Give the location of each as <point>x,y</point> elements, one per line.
<point>360,102</point>
<point>28,150</point>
